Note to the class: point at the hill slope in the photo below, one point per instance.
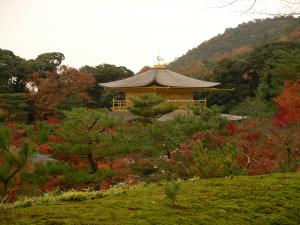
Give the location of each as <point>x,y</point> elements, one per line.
<point>271,199</point>
<point>239,40</point>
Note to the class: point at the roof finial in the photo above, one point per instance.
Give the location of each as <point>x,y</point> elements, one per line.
<point>159,59</point>
<point>159,64</point>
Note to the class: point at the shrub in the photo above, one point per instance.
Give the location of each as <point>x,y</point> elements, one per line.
<point>79,195</point>
<point>259,108</point>
<point>216,162</point>
<point>83,177</point>
<point>166,136</point>
<point>144,169</point>
<point>14,107</point>
<point>171,191</point>
<point>42,133</point>
<point>41,175</point>
<point>289,163</point>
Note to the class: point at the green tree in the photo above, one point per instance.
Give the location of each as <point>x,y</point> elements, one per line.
<point>235,74</point>
<point>259,108</point>
<point>264,88</point>
<point>14,107</point>
<point>166,136</point>
<point>12,159</point>
<point>105,73</point>
<point>276,62</point>
<point>213,160</point>
<point>13,71</point>
<point>83,133</point>
<point>48,62</point>
<point>150,106</point>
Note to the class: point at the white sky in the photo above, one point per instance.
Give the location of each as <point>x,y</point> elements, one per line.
<point>130,33</point>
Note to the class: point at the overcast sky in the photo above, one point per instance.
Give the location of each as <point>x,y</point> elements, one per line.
<point>130,33</point>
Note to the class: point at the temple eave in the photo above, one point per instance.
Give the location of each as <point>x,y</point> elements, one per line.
<point>161,87</point>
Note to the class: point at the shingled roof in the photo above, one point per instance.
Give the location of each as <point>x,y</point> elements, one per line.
<point>161,77</point>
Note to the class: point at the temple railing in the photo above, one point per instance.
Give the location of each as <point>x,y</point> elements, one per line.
<point>182,104</point>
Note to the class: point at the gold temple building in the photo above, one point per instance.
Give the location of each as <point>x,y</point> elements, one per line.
<point>173,87</point>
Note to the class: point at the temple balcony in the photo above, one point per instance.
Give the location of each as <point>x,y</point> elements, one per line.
<point>121,105</point>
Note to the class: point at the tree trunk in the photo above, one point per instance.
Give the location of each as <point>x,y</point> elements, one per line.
<point>169,154</point>
<point>93,162</point>
<point>5,187</point>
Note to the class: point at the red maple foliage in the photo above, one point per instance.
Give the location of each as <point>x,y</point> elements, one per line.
<point>231,128</point>
<point>53,120</point>
<point>105,185</point>
<point>12,195</point>
<point>50,185</point>
<point>54,139</point>
<point>44,148</point>
<point>11,125</point>
<point>122,163</point>
<point>267,146</point>
<point>288,103</point>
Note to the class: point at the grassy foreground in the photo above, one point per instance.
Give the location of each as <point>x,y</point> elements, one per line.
<point>271,199</point>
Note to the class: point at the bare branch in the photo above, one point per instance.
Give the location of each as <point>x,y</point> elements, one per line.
<point>288,7</point>
<point>251,7</point>
<point>291,2</point>
<point>227,4</point>
<point>249,161</point>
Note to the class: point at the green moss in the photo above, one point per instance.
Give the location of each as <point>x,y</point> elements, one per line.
<point>271,199</point>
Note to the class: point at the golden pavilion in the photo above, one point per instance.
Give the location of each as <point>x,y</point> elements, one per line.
<point>173,87</point>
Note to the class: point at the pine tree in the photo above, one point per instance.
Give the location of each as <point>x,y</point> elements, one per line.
<point>83,133</point>
<point>150,106</point>
<point>13,159</point>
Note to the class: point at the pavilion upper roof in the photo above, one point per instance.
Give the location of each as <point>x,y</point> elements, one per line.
<point>161,77</point>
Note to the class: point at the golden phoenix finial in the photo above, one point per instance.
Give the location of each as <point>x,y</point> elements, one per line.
<point>160,60</point>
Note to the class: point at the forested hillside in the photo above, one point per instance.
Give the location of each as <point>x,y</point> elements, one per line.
<point>255,59</point>
<point>258,75</point>
<point>234,41</point>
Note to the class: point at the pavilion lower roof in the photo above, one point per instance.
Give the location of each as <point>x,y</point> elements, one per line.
<point>161,77</point>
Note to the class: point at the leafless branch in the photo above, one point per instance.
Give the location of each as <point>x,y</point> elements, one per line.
<point>249,161</point>
<point>227,4</point>
<point>291,2</point>
<point>251,6</point>
<point>289,6</point>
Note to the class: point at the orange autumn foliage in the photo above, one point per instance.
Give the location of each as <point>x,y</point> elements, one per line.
<point>240,50</point>
<point>289,103</point>
<point>47,92</point>
<point>294,33</point>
